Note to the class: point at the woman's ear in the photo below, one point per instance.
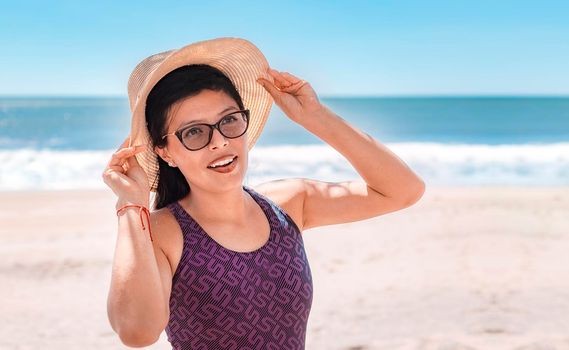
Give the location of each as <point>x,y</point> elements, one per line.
<point>163,153</point>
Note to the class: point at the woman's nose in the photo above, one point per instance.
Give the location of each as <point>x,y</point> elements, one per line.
<point>217,140</point>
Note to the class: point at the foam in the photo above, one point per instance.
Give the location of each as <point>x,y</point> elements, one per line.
<point>436,163</point>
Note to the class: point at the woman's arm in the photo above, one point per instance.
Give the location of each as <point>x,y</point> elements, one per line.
<point>137,303</point>
<point>388,184</point>
<point>379,167</point>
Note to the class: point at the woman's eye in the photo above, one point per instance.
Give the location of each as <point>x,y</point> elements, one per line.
<point>229,119</point>
<point>192,132</point>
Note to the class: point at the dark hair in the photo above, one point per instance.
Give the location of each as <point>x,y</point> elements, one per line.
<point>181,83</point>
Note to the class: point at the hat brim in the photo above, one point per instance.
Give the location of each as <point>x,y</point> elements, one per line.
<point>240,60</point>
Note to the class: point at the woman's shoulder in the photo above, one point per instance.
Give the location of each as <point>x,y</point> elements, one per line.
<point>164,222</point>
<point>167,235</point>
<point>164,215</point>
<point>288,194</point>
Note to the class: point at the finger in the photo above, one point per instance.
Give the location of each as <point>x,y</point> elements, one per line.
<point>119,157</point>
<point>125,143</point>
<point>132,162</point>
<point>291,78</point>
<point>114,177</point>
<point>294,88</point>
<point>129,151</point>
<point>294,80</point>
<point>270,87</point>
<point>280,80</point>
<point>117,168</point>
<point>293,84</point>
<point>111,172</point>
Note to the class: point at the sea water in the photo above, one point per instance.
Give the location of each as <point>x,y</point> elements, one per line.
<point>65,142</point>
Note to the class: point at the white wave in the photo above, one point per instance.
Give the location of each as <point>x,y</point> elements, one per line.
<point>28,169</point>
<point>437,164</point>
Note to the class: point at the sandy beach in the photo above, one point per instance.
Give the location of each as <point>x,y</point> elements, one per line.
<point>465,268</point>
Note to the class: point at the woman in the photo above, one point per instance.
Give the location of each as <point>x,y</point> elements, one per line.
<point>218,264</point>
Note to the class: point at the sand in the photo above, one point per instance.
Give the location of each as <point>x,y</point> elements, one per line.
<point>465,268</point>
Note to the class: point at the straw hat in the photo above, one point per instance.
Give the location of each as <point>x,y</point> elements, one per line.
<point>237,58</point>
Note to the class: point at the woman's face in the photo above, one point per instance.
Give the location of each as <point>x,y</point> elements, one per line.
<point>207,107</point>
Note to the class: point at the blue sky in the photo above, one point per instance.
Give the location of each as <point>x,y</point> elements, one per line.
<point>395,47</point>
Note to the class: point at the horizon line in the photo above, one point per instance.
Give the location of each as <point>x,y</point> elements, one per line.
<point>328,96</point>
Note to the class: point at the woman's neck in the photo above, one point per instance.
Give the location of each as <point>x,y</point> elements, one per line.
<point>231,206</point>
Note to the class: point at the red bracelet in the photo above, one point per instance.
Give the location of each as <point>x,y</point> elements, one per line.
<point>142,209</point>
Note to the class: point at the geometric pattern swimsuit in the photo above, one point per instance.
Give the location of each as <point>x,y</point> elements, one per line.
<point>223,299</point>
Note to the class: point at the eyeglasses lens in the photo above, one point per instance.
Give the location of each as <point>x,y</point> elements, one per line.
<point>231,126</point>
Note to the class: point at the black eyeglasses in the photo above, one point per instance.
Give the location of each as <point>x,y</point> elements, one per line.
<point>196,136</point>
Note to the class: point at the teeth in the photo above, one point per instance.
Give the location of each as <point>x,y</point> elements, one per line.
<point>223,162</point>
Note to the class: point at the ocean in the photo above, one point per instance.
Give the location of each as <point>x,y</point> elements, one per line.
<point>49,143</point>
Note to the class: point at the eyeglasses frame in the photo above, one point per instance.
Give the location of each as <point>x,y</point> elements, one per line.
<point>179,132</point>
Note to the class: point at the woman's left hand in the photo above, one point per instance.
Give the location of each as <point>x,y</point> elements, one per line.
<point>294,96</point>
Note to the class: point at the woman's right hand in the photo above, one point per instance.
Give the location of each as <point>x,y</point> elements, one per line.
<point>126,177</point>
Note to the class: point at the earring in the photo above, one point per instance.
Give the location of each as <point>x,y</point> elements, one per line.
<point>171,164</point>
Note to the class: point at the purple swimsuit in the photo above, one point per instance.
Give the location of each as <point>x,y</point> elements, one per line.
<point>223,299</point>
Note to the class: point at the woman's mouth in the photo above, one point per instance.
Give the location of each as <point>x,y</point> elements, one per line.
<point>225,167</point>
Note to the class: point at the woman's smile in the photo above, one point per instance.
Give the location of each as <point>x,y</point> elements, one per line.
<point>227,168</point>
